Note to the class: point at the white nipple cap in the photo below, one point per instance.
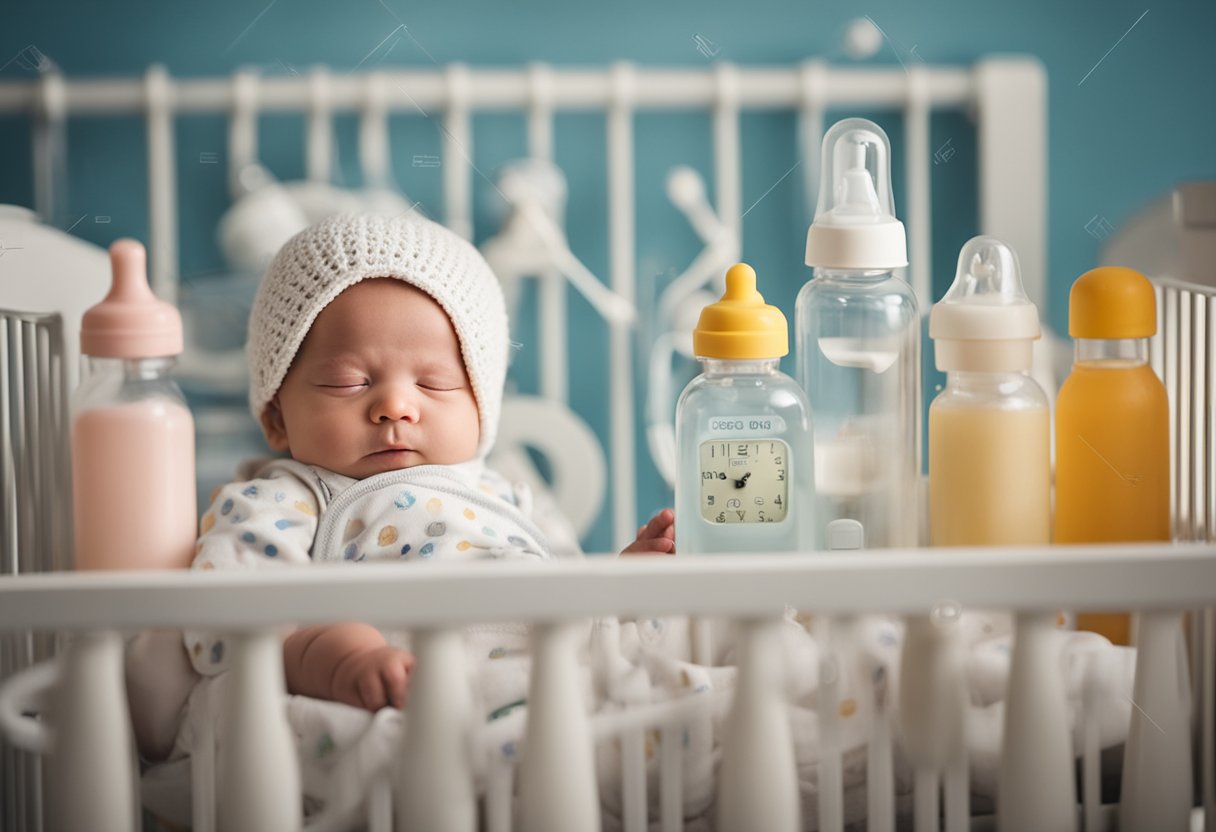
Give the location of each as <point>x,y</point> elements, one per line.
<point>855,225</point>
<point>985,323</point>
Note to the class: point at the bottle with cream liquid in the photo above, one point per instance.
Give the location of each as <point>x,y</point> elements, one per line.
<point>132,434</point>
<point>989,485</point>
<point>858,343</point>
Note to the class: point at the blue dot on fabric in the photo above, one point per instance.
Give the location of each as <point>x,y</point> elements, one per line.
<point>279,496</point>
<point>427,550</point>
<point>250,491</point>
<point>350,552</point>
<point>249,537</point>
<point>487,530</point>
<point>271,549</point>
<point>517,541</point>
<point>226,507</point>
<point>217,652</point>
<point>282,524</point>
<point>404,500</point>
<point>405,550</point>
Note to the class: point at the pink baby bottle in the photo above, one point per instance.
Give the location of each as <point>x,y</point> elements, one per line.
<point>132,434</point>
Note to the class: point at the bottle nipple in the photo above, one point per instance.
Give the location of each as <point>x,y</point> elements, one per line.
<point>855,225</point>
<point>985,322</point>
<point>130,322</point>
<point>741,325</point>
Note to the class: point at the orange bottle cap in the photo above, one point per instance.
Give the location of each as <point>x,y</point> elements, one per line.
<point>1112,302</point>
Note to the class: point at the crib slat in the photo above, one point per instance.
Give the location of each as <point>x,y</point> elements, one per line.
<point>258,772</point>
<point>1156,791</point>
<point>1035,784</point>
<point>458,152</point>
<point>202,780</point>
<point>499,783</point>
<point>633,781</point>
<point>671,778</point>
<point>622,250</point>
<point>757,787</point>
<point>434,788</point>
<point>557,786</point>
<point>831,778</point>
<point>90,772</point>
<point>880,760</point>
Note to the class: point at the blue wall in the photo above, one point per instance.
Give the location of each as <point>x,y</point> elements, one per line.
<point>1143,120</point>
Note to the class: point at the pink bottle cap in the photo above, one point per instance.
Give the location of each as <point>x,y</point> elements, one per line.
<point>130,322</point>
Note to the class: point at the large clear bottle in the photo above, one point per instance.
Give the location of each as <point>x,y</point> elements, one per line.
<point>743,434</point>
<point>857,332</point>
<point>132,434</point>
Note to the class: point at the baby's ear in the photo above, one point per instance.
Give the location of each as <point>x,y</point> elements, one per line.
<point>274,427</point>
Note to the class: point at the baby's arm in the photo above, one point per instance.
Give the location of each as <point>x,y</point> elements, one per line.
<point>657,537</point>
<point>349,663</point>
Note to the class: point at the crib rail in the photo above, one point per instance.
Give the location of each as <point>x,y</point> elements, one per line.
<point>35,519</point>
<point>556,775</point>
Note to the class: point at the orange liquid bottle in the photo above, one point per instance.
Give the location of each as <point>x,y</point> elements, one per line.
<point>1112,426</point>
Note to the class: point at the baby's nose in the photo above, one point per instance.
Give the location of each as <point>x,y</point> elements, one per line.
<point>394,406</point>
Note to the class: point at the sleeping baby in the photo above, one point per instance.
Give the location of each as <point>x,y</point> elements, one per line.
<point>378,353</point>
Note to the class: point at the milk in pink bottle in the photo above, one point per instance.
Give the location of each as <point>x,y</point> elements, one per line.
<point>132,434</point>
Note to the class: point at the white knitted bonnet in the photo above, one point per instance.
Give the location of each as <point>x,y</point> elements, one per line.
<point>316,265</point>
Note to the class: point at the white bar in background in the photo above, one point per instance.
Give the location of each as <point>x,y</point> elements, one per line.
<point>499,782</point>
<point>773,88</point>
<point>621,219</point>
<point>162,184</point>
<point>374,156</point>
<point>554,342</point>
<point>242,128</point>
<point>728,160</point>
<point>457,150</point>
<point>319,144</point>
<point>813,78</point>
<point>49,146</point>
<point>918,157</point>
<point>1011,96</point>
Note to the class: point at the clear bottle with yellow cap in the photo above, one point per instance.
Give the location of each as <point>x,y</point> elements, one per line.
<point>858,343</point>
<point>745,478</point>
<point>1112,426</point>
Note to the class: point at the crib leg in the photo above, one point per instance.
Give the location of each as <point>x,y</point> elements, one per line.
<point>557,786</point>
<point>91,778</point>
<point>435,781</point>
<point>258,771</point>
<point>758,787</point>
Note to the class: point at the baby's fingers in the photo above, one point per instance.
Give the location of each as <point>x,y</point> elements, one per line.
<point>371,691</point>
<point>395,676</point>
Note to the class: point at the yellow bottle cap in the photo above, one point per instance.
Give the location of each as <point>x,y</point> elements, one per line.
<point>1112,302</point>
<point>741,325</point>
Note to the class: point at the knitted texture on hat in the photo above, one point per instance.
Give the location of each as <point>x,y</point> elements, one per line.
<point>316,265</point>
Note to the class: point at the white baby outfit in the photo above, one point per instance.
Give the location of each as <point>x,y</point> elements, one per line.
<point>292,514</point>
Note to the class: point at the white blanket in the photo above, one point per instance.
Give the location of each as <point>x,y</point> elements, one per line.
<point>342,749</point>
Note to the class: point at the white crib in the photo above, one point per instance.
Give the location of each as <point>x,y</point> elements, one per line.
<point>90,781</point>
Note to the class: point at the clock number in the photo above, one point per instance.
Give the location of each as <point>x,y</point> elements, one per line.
<point>780,475</point>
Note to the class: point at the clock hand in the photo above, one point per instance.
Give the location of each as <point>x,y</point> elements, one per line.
<point>742,482</point>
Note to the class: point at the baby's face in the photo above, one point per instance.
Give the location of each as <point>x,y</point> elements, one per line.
<point>377,385</point>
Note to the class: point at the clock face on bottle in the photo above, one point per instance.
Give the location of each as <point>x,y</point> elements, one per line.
<point>744,480</point>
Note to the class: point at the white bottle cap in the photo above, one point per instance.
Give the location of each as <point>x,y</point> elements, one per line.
<point>985,323</point>
<point>855,225</point>
<point>845,535</point>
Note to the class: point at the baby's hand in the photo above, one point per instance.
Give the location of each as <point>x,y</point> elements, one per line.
<point>373,678</point>
<point>658,537</point>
